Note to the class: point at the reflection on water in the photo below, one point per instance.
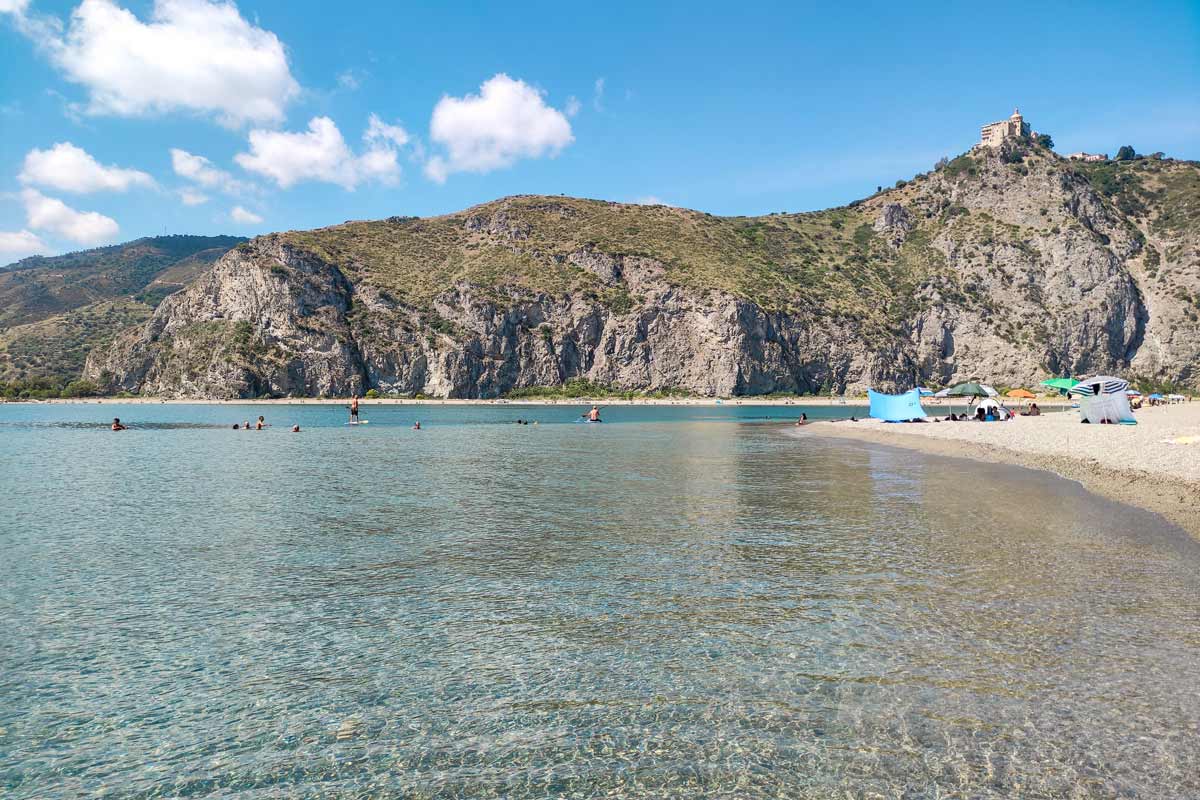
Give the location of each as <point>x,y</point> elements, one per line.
<point>670,607</point>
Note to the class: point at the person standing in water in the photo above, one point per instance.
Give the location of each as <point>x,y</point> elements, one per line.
<point>354,408</point>
<point>262,423</point>
<point>117,426</point>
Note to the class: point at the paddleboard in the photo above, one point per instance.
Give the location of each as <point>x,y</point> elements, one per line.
<point>360,422</point>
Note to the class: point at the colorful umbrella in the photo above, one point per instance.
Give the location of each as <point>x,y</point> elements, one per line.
<point>1022,393</point>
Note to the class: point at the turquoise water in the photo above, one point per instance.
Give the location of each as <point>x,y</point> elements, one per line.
<point>680,603</point>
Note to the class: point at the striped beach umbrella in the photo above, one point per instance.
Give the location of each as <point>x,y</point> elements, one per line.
<point>1100,384</point>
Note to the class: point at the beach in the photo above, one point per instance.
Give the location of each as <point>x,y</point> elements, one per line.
<point>1128,463</point>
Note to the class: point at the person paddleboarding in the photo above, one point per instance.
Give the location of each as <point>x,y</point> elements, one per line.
<point>353,409</point>
<point>593,415</point>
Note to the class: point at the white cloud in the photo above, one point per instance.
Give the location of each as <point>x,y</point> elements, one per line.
<point>194,55</point>
<point>506,121</point>
<point>650,200</point>
<point>51,214</point>
<point>244,217</point>
<point>201,171</point>
<point>321,154</point>
<point>573,106</point>
<point>13,7</point>
<point>348,79</point>
<point>15,245</point>
<point>598,94</point>
<point>191,197</point>
<point>379,132</point>
<point>72,169</point>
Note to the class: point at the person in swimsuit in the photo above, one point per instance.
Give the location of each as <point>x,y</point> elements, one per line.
<point>803,419</point>
<point>262,423</point>
<point>593,415</point>
<point>354,408</point>
<point>295,429</point>
<point>417,425</point>
<point>117,426</point>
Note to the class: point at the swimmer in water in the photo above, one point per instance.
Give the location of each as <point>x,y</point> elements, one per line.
<point>117,426</point>
<point>245,424</point>
<point>295,429</point>
<point>262,423</point>
<point>417,425</point>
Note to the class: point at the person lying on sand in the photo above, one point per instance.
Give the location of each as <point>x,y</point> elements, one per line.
<point>117,426</point>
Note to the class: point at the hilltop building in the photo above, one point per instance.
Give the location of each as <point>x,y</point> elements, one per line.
<point>994,133</point>
<point>1088,156</point>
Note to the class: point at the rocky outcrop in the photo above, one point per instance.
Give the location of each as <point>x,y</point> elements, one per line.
<point>992,271</point>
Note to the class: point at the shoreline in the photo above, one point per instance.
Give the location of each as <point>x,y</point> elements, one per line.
<point>1124,464</point>
<point>854,406</point>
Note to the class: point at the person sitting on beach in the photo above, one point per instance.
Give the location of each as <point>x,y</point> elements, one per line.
<point>117,426</point>
<point>980,414</point>
<point>262,423</point>
<point>1033,411</point>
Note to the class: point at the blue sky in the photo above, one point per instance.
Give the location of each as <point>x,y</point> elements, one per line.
<point>299,114</point>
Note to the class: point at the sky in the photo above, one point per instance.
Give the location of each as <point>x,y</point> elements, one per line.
<point>128,118</point>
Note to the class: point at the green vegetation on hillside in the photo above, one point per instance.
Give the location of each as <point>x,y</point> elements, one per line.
<point>530,245</point>
<point>54,310</point>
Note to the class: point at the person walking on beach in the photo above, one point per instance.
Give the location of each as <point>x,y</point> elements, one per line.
<point>354,408</point>
<point>117,426</point>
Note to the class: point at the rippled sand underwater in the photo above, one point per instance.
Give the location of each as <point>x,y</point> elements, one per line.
<point>670,605</point>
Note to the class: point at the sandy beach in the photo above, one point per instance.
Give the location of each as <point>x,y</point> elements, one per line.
<point>1128,463</point>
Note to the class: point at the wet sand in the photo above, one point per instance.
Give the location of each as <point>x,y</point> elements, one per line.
<point>1128,463</point>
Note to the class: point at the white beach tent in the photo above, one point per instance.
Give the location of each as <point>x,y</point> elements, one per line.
<point>990,391</point>
<point>1103,399</point>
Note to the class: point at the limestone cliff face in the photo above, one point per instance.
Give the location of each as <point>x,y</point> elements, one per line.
<point>988,268</point>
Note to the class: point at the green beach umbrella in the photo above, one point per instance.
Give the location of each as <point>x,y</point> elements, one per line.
<point>970,389</point>
<point>1062,384</point>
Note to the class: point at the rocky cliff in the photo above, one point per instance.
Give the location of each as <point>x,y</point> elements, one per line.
<point>1009,266</point>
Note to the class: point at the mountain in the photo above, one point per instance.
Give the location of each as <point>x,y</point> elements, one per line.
<point>54,310</point>
<point>1010,264</point>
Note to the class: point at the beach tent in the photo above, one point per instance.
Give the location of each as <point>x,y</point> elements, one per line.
<point>1103,399</point>
<point>1176,398</point>
<point>1023,394</point>
<point>942,393</point>
<point>1133,393</point>
<point>1156,396</point>
<point>896,407</point>
<point>989,391</point>
<point>924,392</point>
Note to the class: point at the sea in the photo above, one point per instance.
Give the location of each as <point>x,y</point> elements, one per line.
<point>681,602</point>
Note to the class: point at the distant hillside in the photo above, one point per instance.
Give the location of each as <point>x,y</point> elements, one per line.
<point>1011,264</point>
<point>54,310</point>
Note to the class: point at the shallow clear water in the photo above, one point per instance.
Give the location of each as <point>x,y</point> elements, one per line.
<point>681,603</point>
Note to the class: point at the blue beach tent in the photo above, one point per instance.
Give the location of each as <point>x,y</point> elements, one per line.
<point>896,407</point>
